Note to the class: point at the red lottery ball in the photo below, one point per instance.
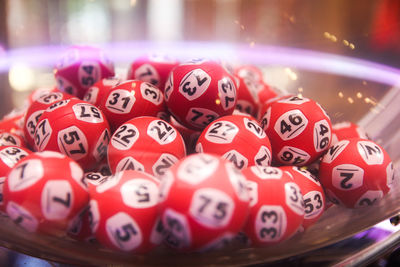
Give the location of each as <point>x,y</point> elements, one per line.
<point>11,139</point>
<point>248,96</point>
<point>313,194</point>
<point>9,156</point>
<point>35,110</point>
<point>100,89</point>
<point>249,72</point>
<point>203,202</point>
<point>124,212</point>
<point>131,99</point>
<point>44,192</point>
<point>80,67</point>
<point>238,138</point>
<point>36,94</point>
<point>347,130</point>
<point>199,92</point>
<point>276,205</point>
<point>299,130</point>
<point>190,136</point>
<point>356,173</point>
<point>153,69</point>
<point>145,144</point>
<point>75,128</point>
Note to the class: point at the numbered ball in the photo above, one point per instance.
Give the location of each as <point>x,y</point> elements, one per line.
<point>36,109</point>
<point>80,67</point>
<point>313,194</point>
<point>347,130</point>
<point>190,136</point>
<point>153,69</point>
<point>238,138</point>
<point>44,191</point>
<point>248,101</point>
<point>100,89</point>
<point>299,130</point>
<point>249,72</point>
<point>9,156</point>
<point>276,205</point>
<point>124,212</point>
<point>37,93</point>
<point>199,92</point>
<point>11,139</point>
<point>145,144</point>
<point>204,203</point>
<point>356,173</point>
<point>131,99</point>
<point>75,128</point>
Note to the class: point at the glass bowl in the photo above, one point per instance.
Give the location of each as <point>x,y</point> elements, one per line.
<point>349,89</point>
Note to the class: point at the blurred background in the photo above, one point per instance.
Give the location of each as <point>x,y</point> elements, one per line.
<point>367,29</point>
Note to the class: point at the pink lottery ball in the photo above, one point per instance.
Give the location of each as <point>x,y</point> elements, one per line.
<point>80,67</point>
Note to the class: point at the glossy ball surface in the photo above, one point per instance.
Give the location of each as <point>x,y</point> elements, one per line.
<point>356,173</point>
<point>199,92</point>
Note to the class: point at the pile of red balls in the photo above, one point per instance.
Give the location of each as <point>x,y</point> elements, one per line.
<point>186,154</point>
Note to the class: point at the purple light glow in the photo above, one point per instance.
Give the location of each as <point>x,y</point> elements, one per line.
<point>47,56</point>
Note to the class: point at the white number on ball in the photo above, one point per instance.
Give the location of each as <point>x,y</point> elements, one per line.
<point>169,87</point>
<point>72,142</point>
<point>88,73</point>
<point>139,193</point>
<point>294,198</point>
<point>334,151</point>
<point>91,95</point>
<point>347,177</point>
<point>263,157</point>
<point>22,216</point>
<point>265,172</point>
<point>120,101</point>
<point>123,231</point>
<point>236,158</point>
<point>151,93</point>
<point>211,207</point>
<point>271,223</point>
<point>313,204</point>
<point>371,153</point>
<point>125,137</point>
<point>322,135</point>
<point>254,127</point>
<point>87,113</point>
<point>56,199</point>
<point>163,163</point>
<point>227,93</point>
<point>50,98</point>
<point>147,73</point>
<point>200,117</point>
<point>161,131</point>
<point>32,121</point>
<point>293,156</point>
<point>178,229</point>
<point>291,124</point>
<point>221,132</point>
<point>11,155</point>
<point>25,175</point>
<point>42,134</point>
<point>194,84</point>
